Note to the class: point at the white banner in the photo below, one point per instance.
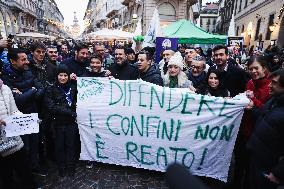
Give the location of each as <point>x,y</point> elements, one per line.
<point>135,123</point>
<point>21,124</point>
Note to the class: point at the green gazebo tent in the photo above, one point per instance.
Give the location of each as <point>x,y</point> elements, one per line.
<point>191,34</point>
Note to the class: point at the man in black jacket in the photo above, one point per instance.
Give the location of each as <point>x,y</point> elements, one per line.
<point>148,72</point>
<point>266,143</point>
<point>121,69</point>
<point>233,78</point>
<point>77,65</point>
<point>26,90</point>
<point>41,69</point>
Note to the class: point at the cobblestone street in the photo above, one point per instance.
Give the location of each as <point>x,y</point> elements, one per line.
<point>107,176</point>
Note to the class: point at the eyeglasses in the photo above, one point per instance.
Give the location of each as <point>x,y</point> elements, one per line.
<point>196,67</point>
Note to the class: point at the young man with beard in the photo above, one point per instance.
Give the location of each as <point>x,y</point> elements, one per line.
<point>52,55</point>
<point>233,78</point>
<point>77,65</point>
<point>43,71</point>
<point>26,91</point>
<point>64,53</point>
<point>147,71</point>
<point>121,69</point>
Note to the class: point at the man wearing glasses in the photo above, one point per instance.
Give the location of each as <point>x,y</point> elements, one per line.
<point>197,72</point>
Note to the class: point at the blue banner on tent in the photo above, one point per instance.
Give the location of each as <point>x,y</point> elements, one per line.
<point>163,43</point>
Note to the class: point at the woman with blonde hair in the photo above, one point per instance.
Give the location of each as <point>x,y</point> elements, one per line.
<point>175,77</point>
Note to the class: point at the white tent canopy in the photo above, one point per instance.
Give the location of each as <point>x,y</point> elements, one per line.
<point>34,35</point>
<point>106,33</point>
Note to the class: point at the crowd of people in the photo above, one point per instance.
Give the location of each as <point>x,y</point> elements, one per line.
<point>41,78</point>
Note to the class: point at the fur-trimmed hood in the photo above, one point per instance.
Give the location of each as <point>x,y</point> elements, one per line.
<point>183,82</point>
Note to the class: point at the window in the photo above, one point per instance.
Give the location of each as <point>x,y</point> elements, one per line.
<point>237,31</point>
<point>201,22</point>
<point>236,6</point>
<point>246,3</point>
<point>257,29</point>
<point>270,23</point>
<point>167,11</point>
<point>240,6</point>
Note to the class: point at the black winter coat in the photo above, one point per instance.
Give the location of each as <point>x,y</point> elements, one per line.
<point>57,105</point>
<point>125,71</point>
<point>45,73</point>
<point>29,87</point>
<point>266,143</point>
<point>152,75</point>
<point>78,68</point>
<point>234,79</point>
<point>94,74</point>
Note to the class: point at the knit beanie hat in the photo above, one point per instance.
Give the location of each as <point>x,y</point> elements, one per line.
<point>176,60</point>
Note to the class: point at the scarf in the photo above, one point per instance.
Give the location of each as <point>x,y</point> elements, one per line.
<point>66,89</point>
<point>173,82</point>
<point>196,80</point>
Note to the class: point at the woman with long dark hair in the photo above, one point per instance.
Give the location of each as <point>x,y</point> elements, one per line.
<point>213,85</point>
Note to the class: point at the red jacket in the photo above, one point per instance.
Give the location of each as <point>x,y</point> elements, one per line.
<point>260,90</point>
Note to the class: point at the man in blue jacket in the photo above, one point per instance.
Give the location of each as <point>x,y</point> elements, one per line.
<point>26,91</point>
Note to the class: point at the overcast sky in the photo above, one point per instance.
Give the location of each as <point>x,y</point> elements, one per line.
<point>68,7</point>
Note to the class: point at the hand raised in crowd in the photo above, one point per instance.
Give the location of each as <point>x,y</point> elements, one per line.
<point>250,105</point>
<point>272,178</point>
<point>2,123</point>
<point>73,76</point>
<point>192,89</point>
<point>249,94</point>
<point>110,77</point>
<point>5,43</point>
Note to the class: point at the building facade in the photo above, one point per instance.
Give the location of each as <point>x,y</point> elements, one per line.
<point>226,9</point>
<point>53,20</point>
<point>17,16</point>
<point>124,14</point>
<point>169,11</point>
<point>260,22</point>
<point>208,17</point>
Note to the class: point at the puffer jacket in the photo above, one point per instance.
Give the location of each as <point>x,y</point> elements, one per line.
<point>25,82</point>
<point>152,75</point>
<point>8,107</point>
